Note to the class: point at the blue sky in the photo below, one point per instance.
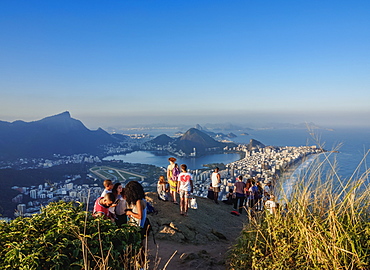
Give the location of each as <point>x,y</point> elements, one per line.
<point>114,63</point>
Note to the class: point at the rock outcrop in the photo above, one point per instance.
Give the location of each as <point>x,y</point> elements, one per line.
<point>210,222</point>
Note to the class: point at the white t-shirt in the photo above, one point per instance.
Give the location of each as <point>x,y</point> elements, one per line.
<point>269,205</point>
<point>105,191</point>
<point>184,181</point>
<point>215,180</point>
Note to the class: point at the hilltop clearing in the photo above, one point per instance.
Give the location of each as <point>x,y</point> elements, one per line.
<point>200,240</point>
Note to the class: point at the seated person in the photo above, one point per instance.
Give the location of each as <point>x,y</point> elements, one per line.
<point>210,194</point>
<point>229,197</point>
<point>162,188</point>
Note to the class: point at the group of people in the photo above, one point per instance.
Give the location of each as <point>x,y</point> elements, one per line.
<point>124,205</point>
<point>179,181</point>
<point>251,195</point>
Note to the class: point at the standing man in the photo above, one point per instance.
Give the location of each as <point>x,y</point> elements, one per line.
<point>216,183</point>
<point>184,188</point>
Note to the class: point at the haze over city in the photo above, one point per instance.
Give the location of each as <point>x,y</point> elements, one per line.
<point>122,63</point>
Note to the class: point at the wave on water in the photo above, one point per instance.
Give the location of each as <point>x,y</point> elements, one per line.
<point>289,180</point>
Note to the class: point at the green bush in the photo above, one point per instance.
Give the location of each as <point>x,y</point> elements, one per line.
<point>63,236</point>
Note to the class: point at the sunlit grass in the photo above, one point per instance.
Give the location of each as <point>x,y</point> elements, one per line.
<point>325,225</point>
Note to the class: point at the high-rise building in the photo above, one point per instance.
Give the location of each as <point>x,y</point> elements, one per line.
<point>21,208</point>
<point>33,193</point>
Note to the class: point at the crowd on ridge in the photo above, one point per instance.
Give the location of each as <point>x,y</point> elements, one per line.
<point>127,204</point>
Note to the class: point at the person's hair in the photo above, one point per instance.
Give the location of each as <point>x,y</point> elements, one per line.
<point>114,190</point>
<point>172,159</point>
<point>162,179</point>
<point>184,167</point>
<point>240,177</point>
<point>217,169</point>
<point>110,196</point>
<point>107,182</point>
<point>134,191</point>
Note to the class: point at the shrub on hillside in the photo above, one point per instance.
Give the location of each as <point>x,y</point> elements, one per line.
<point>63,236</point>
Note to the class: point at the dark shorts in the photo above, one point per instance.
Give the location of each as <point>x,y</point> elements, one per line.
<point>216,189</point>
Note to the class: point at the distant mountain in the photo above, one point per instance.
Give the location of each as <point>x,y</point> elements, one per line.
<point>193,138</point>
<point>216,135</point>
<point>224,127</point>
<point>254,144</point>
<point>203,143</point>
<point>58,134</point>
<point>162,140</point>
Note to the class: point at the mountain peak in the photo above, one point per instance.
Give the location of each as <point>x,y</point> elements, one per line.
<point>57,134</point>
<point>65,114</point>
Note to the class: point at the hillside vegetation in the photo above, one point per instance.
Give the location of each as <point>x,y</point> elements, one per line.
<point>64,236</point>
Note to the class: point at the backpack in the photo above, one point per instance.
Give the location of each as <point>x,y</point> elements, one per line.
<point>150,208</point>
<point>253,192</point>
<point>175,173</point>
<point>146,230</point>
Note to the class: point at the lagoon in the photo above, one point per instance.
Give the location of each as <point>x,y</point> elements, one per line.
<point>161,160</point>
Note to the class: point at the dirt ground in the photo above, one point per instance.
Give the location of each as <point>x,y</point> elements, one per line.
<point>197,241</point>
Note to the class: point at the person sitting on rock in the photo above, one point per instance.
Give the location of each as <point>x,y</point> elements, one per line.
<point>162,188</point>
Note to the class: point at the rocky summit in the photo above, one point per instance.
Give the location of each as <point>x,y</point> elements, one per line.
<point>210,222</point>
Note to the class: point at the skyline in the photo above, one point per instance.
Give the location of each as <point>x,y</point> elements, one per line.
<point>145,62</point>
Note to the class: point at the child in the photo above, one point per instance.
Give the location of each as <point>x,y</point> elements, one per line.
<point>108,186</point>
<point>271,205</point>
<point>102,204</point>
<point>184,188</point>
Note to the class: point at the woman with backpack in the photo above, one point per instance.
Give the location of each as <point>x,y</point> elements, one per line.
<point>173,172</point>
<point>135,198</point>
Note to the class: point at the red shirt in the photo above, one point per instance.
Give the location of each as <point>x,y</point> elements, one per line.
<point>98,208</point>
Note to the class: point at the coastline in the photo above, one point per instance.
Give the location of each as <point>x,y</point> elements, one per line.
<point>291,175</point>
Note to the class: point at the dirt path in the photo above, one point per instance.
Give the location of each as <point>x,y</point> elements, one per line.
<point>199,241</point>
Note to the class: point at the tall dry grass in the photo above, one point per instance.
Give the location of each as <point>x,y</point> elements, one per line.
<point>323,224</point>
